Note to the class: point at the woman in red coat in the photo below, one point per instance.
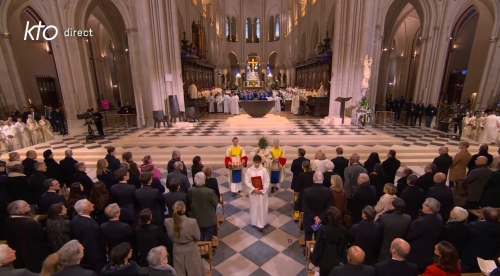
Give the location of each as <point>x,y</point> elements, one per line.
<point>447,262</point>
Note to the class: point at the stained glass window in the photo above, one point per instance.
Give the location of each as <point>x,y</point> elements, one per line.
<point>277,29</point>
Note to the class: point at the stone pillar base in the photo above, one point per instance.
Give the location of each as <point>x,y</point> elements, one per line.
<point>76,127</point>
<point>335,121</point>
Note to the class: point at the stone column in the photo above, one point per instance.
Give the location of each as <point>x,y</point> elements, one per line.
<point>155,50</point>
<point>10,81</point>
<point>351,42</point>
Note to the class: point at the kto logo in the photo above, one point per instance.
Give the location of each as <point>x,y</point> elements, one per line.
<point>51,35</point>
<point>39,27</point>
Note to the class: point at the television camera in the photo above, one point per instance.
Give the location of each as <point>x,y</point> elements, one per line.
<point>88,116</point>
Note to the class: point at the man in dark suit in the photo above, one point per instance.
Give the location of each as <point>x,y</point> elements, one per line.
<point>364,195</point>
<point>37,179</point>
<point>26,236</point>
<point>394,225</point>
<point>203,206</point>
<point>315,203</point>
<point>7,257</point>
<point>424,234</point>
<point>483,242</point>
<point>401,183</point>
<point>123,194</point>
<point>50,197</point>
<point>340,163</point>
<point>175,195</point>
<point>367,235</point>
<point>296,169</point>
<point>149,197</point>
<point>426,181</point>
<point>176,156</point>
<point>178,174</point>
<point>35,114</point>
<point>476,180</point>
<point>114,231</point>
<point>444,161</point>
<point>397,265</point>
<point>483,151</point>
<point>86,230</point>
<point>354,266</point>
<point>391,166</point>
<point>70,256</point>
<point>327,175</point>
<point>29,163</point>
<point>443,194</point>
<point>113,162</point>
<point>351,175</point>
<point>82,177</point>
<point>413,197</point>
<point>67,166</point>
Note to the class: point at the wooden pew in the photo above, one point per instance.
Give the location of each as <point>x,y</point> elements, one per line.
<point>205,249</point>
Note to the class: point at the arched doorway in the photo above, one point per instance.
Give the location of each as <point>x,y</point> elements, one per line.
<point>399,54</point>
<point>35,60</point>
<point>459,53</point>
<point>108,56</point>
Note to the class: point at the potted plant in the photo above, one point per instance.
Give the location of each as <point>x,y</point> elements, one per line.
<point>364,112</point>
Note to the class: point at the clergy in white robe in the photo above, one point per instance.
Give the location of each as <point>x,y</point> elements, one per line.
<point>236,159</point>
<point>227,104</point>
<point>193,91</point>
<point>489,134</point>
<point>211,101</point>
<point>321,90</point>
<point>257,182</point>
<point>12,136</point>
<point>219,101</point>
<point>235,108</point>
<point>35,130</point>
<point>295,104</point>
<point>277,104</point>
<point>46,129</point>
<point>24,133</point>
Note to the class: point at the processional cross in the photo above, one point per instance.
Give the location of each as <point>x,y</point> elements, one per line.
<point>253,63</point>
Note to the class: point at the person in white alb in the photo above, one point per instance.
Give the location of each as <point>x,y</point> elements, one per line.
<point>211,100</point>
<point>489,135</point>
<point>46,129</point>
<point>227,103</point>
<point>235,108</point>
<point>35,130</point>
<point>24,133</point>
<point>11,136</point>
<point>258,197</point>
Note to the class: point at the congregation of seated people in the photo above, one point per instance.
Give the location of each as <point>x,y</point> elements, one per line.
<point>125,223</point>
<point>57,221</point>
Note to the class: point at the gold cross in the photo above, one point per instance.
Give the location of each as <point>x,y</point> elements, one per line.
<point>253,63</point>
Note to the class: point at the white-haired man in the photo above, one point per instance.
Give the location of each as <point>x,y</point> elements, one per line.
<point>7,256</point>
<point>86,230</point>
<point>70,256</point>
<point>424,234</point>
<point>456,231</point>
<point>364,195</point>
<point>114,231</point>
<point>316,201</point>
<point>327,175</point>
<point>158,262</point>
<point>25,236</point>
<point>277,165</point>
<point>203,205</point>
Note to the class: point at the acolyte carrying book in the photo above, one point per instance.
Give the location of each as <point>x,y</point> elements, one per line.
<point>257,182</point>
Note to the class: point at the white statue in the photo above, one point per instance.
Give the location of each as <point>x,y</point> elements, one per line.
<point>367,65</point>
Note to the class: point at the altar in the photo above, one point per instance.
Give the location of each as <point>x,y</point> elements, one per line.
<point>253,84</point>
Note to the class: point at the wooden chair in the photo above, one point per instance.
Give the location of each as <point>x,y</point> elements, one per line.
<point>220,218</point>
<point>192,115</point>
<point>205,249</point>
<point>302,239</point>
<point>295,197</point>
<point>309,247</point>
<point>216,238</point>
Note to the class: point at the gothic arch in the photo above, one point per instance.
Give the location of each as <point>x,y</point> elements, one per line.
<point>79,20</point>
<point>314,36</point>
<point>7,7</point>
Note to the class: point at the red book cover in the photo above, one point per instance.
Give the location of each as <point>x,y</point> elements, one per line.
<point>257,182</point>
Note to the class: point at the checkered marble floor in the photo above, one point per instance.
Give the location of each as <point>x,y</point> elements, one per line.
<point>419,136</point>
<point>79,141</point>
<point>302,127</point>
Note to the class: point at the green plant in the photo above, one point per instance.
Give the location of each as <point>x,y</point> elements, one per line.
<point>364,111</point>
<point>263,142</point>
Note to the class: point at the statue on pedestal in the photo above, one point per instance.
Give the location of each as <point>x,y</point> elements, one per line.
<point>367,65</point>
